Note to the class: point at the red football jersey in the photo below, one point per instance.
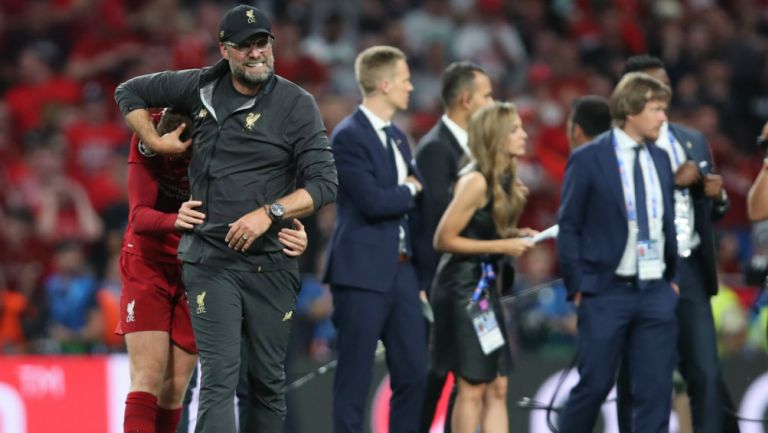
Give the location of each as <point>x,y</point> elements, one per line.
<point>157,186</point>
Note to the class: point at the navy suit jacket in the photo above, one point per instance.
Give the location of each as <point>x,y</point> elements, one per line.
<point>364,249</point>
<point>704,208</point>
<point>593,216</point>
<point>438,159</point>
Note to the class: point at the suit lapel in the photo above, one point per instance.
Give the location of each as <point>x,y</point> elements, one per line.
<point>380,157</point>
<point>610,169</point>
<point>689,146</point>
<point>446,136</point>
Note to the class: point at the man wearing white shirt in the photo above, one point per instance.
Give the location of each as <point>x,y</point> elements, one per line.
<point>618,256</point>
<point>370,267</point>
<point>465,88</point>
<point>699,200</point>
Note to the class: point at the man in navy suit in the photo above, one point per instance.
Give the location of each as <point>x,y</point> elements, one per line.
<point>439,154</point>
<point>699,199</point>
<point>373,281</point>
<point>618,255</point>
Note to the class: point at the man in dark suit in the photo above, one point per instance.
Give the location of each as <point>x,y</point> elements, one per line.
<point>699,199</point>
<point>465,88</point>
<point>590,116</point>
<point>373,281</point>
<point>618,255</point>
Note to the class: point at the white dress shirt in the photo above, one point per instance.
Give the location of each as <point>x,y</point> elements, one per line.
<point>626,151</point>
<point>402,168</point>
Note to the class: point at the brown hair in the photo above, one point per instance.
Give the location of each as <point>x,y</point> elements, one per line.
<point>489,129</point>
<point>632,93</point>
<point>374,64</point>
<point>173,119</point>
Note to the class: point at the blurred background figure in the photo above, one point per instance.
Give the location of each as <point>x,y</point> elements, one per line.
<point>74,318</point>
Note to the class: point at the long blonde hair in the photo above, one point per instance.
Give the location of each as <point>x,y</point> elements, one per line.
<point>489,129</point>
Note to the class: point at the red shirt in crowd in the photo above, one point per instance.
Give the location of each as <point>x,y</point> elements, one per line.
<point>90,152</point>
<point>27,101</point>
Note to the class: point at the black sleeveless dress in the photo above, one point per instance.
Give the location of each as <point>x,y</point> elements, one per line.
<point>454,344</point>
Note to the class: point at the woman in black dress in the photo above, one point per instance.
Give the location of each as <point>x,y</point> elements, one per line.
<point>479,226</point>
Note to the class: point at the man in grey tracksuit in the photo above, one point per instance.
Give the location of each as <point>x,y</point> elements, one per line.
<point>255,134</point>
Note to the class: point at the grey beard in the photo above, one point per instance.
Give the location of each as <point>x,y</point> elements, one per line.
<point>251,81</point>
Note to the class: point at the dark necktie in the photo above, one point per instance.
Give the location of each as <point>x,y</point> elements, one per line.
<point>404,232</point>
<point>390,139</point>
<point>640,202</point>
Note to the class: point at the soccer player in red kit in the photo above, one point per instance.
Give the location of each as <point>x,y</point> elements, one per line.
<point>154,315</point>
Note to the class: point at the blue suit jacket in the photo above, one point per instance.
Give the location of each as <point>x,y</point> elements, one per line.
<point>370,205</point>
<point>704,208</point>
<point>593,216</point>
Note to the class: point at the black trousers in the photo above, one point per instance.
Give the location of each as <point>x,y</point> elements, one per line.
<point>711,405</point>
<point>238,313</point>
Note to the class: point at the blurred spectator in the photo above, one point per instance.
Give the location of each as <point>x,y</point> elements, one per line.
<point>489,39</point>
<point>92,141</point>
<point>545,318</point>
<point>74,319</point>
<point>426,26</point>
<point>195,46</point>
<point>730,321</point>
<point>314,307</point>
<point>294,65</point>
<point>426,80</point>
<point>60,204</point>
<point>334,48</point>
<point>100,53</point>
<point>23,263</point>
<point>108,300</point>
<point>23,255</point>
<point>331,46</point>
<point>40,89</point>
<point>12,308</point>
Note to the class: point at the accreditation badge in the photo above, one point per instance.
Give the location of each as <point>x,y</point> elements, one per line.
<point>486,326</point>
<point>649,264</point>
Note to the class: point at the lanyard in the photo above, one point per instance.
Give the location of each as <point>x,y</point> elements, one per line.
<point>673,148</point>
<point>629,193</point>
<point>485,279</point>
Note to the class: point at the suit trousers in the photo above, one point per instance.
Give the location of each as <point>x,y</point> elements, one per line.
<point>362,318</point>
<point>642,324</point>
<point>711,404</point>
<point>241,314</point>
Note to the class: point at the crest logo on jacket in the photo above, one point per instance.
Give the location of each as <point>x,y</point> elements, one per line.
<point>251,119</point>
<point>200,303</point>
<point>202,113</point>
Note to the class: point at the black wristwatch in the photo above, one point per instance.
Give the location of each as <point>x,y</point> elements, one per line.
<point>275,212</point>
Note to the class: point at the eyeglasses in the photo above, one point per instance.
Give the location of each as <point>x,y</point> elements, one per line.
<point>261,45</point>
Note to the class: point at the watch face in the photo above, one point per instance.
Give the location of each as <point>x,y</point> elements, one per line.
<point>276,209</point>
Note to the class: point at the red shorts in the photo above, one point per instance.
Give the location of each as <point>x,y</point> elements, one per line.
<point>153,299</point>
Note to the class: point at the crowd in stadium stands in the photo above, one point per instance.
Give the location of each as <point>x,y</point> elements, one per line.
<point>63,144</point>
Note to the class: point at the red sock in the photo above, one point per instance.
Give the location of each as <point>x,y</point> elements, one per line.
<point>140,413</point>
<point>167,420</point>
